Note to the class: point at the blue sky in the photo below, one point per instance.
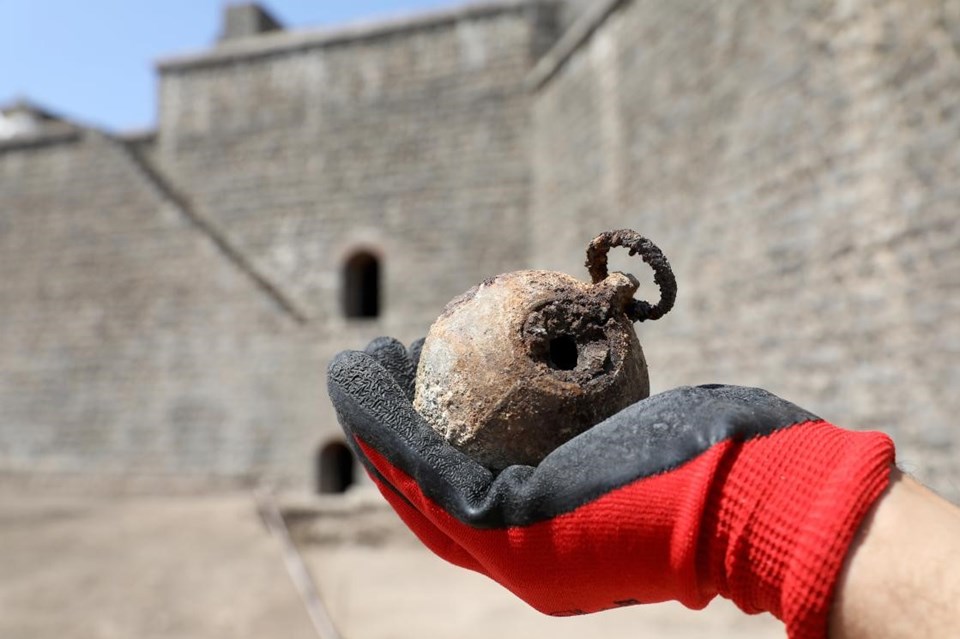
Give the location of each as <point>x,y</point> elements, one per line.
<point>92,60</point>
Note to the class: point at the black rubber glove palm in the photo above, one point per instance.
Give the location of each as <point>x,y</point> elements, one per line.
<point>684,495</point>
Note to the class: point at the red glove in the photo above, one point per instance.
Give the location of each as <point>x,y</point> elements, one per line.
<point>685,495</point>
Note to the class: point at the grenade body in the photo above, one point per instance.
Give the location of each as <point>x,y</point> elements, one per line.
<point>527,360</point>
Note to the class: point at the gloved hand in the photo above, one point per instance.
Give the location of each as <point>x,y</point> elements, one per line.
<point>688,494</point>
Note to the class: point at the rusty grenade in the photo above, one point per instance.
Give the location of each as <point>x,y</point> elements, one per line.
<point>525,361</point>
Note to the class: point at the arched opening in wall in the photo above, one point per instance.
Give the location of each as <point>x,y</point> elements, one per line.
<point>334,469</point>
<point>361,286</point>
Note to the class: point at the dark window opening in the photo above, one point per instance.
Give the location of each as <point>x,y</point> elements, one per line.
<point>334,469</point>
<point>361,286</point>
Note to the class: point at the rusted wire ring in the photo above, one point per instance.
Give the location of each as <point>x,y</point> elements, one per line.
<point>638,310</point>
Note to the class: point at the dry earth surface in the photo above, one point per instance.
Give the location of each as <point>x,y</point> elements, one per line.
<point>142,567</point>
<point>378,582</point>
<point>89,566</point>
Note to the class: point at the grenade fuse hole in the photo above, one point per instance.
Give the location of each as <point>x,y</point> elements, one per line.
<point>563,353</point>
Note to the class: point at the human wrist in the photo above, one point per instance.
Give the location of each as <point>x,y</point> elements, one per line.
<point>900,577</point>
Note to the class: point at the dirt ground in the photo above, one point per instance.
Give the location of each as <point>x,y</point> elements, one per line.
<point>163,567</point>
<point>146,567</point>
<point>429,598</point>
<point>378,582</point>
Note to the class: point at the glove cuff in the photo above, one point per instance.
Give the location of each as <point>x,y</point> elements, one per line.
<point>784,510</point>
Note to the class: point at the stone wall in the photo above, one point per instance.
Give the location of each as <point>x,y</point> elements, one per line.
<point>130,345</point>
<point>408,141</point>
<point>798,165</point>
<point>172,300</point>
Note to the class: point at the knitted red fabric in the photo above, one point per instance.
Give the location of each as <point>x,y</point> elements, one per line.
<point>766,522</point>
<point>783,513</point>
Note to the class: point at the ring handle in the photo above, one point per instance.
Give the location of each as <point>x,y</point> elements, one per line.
<point>637,310</point>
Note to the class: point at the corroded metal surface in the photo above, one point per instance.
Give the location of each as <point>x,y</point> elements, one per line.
<point>527,360</point>
<point>638,310</point>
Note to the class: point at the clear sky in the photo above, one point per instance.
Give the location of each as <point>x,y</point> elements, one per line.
<point>92,60</point>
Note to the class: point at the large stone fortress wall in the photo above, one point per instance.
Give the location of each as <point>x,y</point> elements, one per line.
<point>408,138</point>
<point>799,165</point>
<point>129,346</point>
<point>170,300</point>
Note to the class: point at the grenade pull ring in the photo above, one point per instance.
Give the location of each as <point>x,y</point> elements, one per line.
<point>636,310</point>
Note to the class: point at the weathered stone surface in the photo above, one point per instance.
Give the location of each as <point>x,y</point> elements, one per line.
<point>798,165</point>
<point>133,345</point>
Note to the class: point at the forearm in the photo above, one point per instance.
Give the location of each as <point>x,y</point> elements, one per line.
<point>902,577</point>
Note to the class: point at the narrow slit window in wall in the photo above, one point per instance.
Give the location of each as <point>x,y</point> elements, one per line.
<point>361,286</point>
<point>334,469</point>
